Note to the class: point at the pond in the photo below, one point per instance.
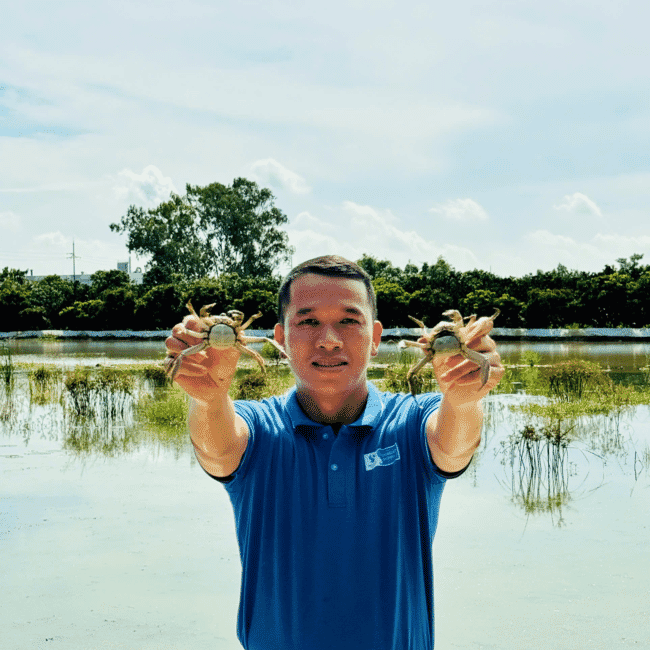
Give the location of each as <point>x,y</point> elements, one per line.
<point>125,541</point>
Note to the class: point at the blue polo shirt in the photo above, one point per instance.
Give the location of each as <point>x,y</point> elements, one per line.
<point>335,532</point>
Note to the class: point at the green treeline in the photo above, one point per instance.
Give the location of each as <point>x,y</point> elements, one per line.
<point>223,244</point>
<point>614,297</point>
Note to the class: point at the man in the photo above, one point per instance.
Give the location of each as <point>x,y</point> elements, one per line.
<point>335,486</point>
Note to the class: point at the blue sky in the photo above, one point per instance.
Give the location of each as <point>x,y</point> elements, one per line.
<point>511,136</point>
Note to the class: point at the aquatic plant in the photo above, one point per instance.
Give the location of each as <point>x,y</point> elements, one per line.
<point>569,380</point>
<point>156,376</point>
<point>251,385</point>
<point>44,384</point>
<point>530,358</point>
<point>166,409</point>
<point>113,388</point>
<point>80,386</point>
<point>6,365</point>
<point>104,437</point>
<point>107,391</point>
<point>539,465</point>
<point>271,353</point>
<point>395,377</point>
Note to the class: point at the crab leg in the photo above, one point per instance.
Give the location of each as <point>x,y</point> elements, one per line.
<point>481,360</point>
<point>252,353</point>
<point>411,344</point>
<point>263,339</point>
<point>250,320</point>
<point>174,363</point>
<point>414,370</point>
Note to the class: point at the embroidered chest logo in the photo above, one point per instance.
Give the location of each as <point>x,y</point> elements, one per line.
<point>381,457</point>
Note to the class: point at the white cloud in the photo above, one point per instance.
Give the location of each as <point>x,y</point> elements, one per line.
<point>579,203</point>
<point>51,252</point>
<point>358,229</point>
<point>271,172</point>
<point>461,210</point>
<point>150,187</point>
<point>546,250</point>
<point>307,221</point>
<point>9,221</point>
<point>546,238</point>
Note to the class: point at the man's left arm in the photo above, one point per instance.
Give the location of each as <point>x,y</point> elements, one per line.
<point>454,430</point>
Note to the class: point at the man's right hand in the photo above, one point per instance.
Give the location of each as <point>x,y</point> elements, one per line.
<point>205,376</point>
<point>218,434</point>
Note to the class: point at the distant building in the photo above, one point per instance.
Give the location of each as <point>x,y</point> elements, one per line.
<point>84,278</point>
<point>135,276</point>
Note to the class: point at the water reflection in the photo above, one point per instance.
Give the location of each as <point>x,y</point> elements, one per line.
<point>541,462</point>
<point>626,356</point>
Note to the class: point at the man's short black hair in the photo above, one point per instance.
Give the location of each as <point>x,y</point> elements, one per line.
<point>332,266</point>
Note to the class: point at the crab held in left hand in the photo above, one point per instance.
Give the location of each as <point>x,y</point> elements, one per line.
<point>220,332</point>
<point>447,338</point>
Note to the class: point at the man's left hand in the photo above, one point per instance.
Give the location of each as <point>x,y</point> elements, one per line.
<point>459,378</point>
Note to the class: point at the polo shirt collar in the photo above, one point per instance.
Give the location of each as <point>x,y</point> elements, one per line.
<point>368,417</point>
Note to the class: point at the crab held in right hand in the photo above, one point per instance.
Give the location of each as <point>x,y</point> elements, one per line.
<point>220,332</point>
<point>447,338</point>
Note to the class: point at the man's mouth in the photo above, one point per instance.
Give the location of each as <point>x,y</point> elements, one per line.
<point>329,364</point>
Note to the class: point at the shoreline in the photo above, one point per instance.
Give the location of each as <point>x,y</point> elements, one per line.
<point>392,334</point>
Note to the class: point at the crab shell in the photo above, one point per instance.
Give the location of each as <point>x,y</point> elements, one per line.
<point>446,344</point>
<point>222,336</point>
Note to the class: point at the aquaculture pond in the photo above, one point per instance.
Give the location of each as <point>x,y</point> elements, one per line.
<point>112,537</point>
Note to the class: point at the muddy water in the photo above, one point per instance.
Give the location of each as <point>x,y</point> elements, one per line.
<point>136,550</point>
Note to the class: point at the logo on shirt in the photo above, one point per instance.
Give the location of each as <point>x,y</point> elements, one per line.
<point>381,457</point>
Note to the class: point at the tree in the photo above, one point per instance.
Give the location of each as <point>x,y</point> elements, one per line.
<point>160,308</point>
<point>547,308</point>
<point>427,305</point>
<point>171,235</point>
<point>631,267</point>
<point>14,298</point>
<point>256,301</point>
<point>380,268</point>
<point>212,229</point>
<point>51,294</point>
<point>118,308</point>
<point>392,303</point>
<point>102,281</point>
<point>84,315</point>
<point>241,225</point>
<point>13,274</point>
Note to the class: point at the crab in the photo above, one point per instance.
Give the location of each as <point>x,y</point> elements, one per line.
<point>447,339</point>
<point>220,332</point>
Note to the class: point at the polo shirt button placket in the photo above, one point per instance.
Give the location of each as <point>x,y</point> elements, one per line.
<point>336,475</point>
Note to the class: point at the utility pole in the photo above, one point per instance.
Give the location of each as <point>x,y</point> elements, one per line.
<point>74,271</point>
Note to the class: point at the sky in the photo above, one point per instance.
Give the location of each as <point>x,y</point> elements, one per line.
<point>510,137</point>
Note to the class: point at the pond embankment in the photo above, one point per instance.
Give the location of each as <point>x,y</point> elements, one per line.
<point>498,333</point>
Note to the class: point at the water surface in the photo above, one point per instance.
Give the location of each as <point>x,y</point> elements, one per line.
<point>134,548</point>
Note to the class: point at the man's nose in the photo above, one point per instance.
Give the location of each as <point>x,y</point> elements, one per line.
<point>329,339</point>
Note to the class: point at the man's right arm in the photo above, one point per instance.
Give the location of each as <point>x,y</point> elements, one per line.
<point>218,434</point>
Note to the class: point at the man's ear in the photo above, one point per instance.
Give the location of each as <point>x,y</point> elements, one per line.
<point>278,334</point>
<point>377,330</point>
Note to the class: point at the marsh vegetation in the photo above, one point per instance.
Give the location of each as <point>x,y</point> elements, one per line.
<point>561,408</point>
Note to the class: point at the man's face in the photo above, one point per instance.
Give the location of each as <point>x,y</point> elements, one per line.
<point>329,333</point>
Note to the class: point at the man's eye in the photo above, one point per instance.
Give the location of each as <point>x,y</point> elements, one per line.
<point>308,321</point>
<point>348,321</point>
